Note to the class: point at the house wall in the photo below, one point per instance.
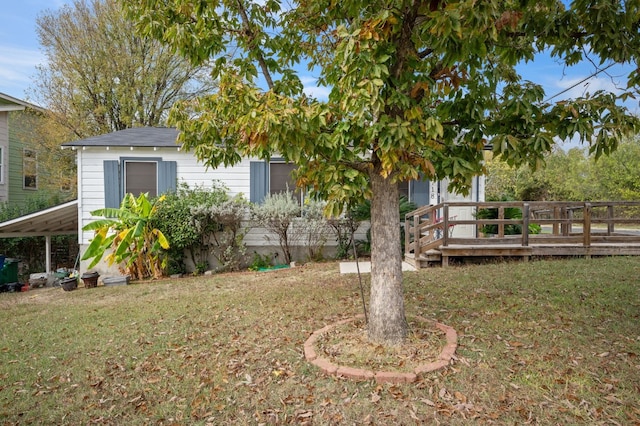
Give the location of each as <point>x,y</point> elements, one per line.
<point>91,194</point>
<point>21,137</point>
<point>464,213</point>
<point>4,144</point>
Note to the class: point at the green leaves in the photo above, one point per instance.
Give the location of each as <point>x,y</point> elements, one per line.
<point>128,237</point>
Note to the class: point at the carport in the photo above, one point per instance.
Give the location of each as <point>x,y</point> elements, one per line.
<point>58,220</point>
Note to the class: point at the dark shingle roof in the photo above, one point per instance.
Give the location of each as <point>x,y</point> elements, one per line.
<point>138,136</point>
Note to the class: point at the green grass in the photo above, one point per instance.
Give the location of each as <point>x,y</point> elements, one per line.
<point>548,342</point>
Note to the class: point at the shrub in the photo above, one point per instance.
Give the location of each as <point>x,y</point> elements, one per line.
<point>314,227</point>
<point>509,213</point>
<point>224,222</point>
<point>276,214</point>
<point>174,218</point>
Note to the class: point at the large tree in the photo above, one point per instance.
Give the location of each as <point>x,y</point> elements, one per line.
<point>416,88</point>
<point>101,77</point>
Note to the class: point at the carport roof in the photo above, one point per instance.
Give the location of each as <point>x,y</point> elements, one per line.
<point>58,220</point>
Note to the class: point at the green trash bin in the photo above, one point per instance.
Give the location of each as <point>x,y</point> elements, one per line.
<point>9,272</point>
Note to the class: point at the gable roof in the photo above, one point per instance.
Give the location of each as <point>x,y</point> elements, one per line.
<point>9,103</point>
<point>138,136</point>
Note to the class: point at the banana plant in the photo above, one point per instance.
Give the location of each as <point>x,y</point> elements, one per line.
<point>128,238</point>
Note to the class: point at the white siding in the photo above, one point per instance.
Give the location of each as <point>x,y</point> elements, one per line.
<point>190,171</point>
<point>464,213</point>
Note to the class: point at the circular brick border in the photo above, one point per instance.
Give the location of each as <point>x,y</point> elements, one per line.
<point>331,369</point>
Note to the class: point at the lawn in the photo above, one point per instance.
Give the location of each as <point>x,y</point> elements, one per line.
<point>545,342</point>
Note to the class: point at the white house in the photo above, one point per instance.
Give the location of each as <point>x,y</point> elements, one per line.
<point>149,160</point>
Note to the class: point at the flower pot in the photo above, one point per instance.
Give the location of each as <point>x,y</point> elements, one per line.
<point>90,279</point>
<point>69,283</point>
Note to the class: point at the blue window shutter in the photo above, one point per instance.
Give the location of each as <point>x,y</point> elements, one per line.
<point>112,188</point>
<point>167,176</point>
<point>419,192</point>
<point>258,182</point>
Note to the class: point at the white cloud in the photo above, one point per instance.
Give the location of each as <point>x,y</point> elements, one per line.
<point>312,89</point>
<point>17,67</point>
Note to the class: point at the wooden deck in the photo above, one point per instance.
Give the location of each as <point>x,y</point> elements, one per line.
<point>542,229</point>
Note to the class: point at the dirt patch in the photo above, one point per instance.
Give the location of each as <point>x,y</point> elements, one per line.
<point>347,344</point>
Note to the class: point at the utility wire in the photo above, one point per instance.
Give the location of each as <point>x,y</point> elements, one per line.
<point>580,82</point>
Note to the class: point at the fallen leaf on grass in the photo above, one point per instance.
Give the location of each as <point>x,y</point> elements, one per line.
<point>460,397</point>
<point>304,414</point>
<point>613,399</point>
<point>428,402</point>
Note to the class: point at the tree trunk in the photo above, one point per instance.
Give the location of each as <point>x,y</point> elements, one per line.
<point>387,322</point>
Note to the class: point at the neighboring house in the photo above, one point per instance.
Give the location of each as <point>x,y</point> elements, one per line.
<point>19,172</point>
<point>149,160</point>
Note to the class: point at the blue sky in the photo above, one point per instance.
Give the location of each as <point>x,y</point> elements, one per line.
<point>20,53</point>
<point>19,47</point>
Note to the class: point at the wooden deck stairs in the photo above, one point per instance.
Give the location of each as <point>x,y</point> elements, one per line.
<point>586,229</point>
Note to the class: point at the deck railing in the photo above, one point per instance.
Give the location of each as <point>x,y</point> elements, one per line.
<point>559,222</point>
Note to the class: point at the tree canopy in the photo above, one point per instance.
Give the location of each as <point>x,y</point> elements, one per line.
<point>417,89</point>
<point>571,175</point>
<point>101,77</point>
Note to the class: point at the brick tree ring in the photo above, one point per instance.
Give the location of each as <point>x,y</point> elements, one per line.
<point>332,369</point>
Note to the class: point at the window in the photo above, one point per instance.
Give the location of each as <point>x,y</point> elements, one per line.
<point>141,177</point>
<point>271,178</point>
<point>281,179</point>
<point>29,169</point>
<point>137,175</point>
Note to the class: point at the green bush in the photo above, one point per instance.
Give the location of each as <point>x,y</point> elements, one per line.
<point>509,213</point>
<point>276,214</point>
<point>174,218</point>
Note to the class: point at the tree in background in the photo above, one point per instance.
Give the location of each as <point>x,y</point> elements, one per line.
<point>57,178</point>
<point>416,88</point>
<point>571,175</point>
<point>618,175</point>
<point>100,77</point>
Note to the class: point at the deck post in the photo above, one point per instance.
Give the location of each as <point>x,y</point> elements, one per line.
<point>501,224</point>
<point>407,232</point>
<point>445,224</point>
<point>417,235</point>
<point>586,225</point>
<point>525,224</point>
<point>610,224</point>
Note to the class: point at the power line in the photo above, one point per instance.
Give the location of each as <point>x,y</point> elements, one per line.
<point>580,82</point>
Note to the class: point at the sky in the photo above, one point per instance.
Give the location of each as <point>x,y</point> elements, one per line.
<point>19,48</point>
<point>20,53</point>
